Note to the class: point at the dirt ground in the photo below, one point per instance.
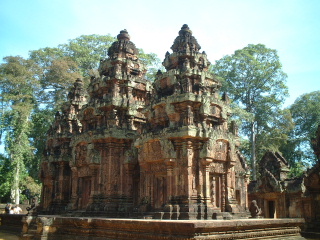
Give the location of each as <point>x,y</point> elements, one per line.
<point>8,236</point>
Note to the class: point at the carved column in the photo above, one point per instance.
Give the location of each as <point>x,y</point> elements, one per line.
<point>246,182</point>
<point>129,93</point>
<point>129,179</point>
<point>116,89</point>
<point>74,194</point>
<point>213,191</point>
<point>206,177</point>
<point>60,176</point>
<point>223,192</point>
<point>169,162</point>
<point>95,185</point>
<point>152,183</point>
<point>109,167</point>
<point>189,164</point>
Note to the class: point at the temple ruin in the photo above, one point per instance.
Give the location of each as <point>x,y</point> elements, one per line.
<point>129,147</point>
<point>283,197</point>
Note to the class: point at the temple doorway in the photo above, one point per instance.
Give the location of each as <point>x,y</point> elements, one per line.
<point>215,189</point>
<point>84,189</point>
<point>160,192</point>
<point>271,209</point>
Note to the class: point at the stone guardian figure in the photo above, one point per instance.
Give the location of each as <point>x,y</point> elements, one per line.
<point>254,209</point>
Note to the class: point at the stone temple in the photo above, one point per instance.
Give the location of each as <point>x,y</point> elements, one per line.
<point>128,147</point>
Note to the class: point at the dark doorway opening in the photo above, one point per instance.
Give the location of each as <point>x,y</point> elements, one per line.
<point>271,209</point>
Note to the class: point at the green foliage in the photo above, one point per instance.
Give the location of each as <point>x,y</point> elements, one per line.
<point>297,169</point>
<point>41,122</point>
<point>306,116</point>
<point>57,74</point>
<point>87,50</point>
<point>274,132</point>
<point>31,185</point>
<point>5,178</point>
<point>18,90</point>
<point>152,62</point>
<point>254,79</point>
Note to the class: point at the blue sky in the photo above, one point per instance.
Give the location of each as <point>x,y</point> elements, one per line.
<point>292,27</point>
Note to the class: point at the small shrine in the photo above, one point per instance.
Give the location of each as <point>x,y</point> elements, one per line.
<point>129,147</point>
<point>278,195</point>
<point>282,197</point>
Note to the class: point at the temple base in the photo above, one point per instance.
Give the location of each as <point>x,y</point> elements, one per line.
<point>55,227</point>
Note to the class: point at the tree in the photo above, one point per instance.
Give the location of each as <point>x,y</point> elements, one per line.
<point>5,178</point>
<point>57,74</point>
<point>306,116</point>
<point>152,62</point>
<point>41,121</point>
<point>18,88</point>
<point>254,79</point>
<point>87,50</point>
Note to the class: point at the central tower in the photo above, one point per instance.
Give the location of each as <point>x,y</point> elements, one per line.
<point>189,164</point>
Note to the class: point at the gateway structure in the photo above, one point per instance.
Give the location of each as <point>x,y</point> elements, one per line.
<point>135,148</point>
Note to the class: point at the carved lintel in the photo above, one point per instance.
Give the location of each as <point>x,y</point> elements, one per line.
<point>170,161</point>
<point>129,167</point>
<point>206,161</point>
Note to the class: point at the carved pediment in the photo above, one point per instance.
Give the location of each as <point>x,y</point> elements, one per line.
<point>151,151</point>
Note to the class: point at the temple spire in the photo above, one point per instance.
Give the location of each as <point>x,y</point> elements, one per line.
<point>185,42</point>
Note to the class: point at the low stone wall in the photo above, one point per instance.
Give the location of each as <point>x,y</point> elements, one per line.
<point>67,228</point>
<point>11,222</point>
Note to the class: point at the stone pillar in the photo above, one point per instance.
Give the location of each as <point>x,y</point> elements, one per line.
<point>109,168</point>
<point>60,168</point>
<point>169,163</point>
<point>74,190</point>
<point>128,179</point>
<point>223,192</point>
<point>129,93</point>
<point>209,207</point>
<point>206,177</point>
<point>189,174</point>
<point>188,200</point>
<point>94,181</point>
<point>246,183</point>
<point>116,89</point>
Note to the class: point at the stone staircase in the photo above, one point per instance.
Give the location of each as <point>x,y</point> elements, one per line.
<point>29,230</point>
<point>237,211</point>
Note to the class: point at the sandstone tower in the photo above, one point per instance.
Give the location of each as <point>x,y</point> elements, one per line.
<point>164,149</point>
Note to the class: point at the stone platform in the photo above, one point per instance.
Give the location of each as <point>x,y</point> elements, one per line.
<point>67,228</point>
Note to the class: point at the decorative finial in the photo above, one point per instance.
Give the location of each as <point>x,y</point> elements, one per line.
<point>184,29</point>
<point>123,35</point>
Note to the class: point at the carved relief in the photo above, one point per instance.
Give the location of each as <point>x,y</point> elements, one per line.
<point>158,167</point>
<point>216,111</point>
<point>217,167</point>
<point>93,155</point>
<point>221,150</point>
<point>151,151</point>
<point>80,154</point>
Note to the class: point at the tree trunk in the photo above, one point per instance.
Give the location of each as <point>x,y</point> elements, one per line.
<point>253,151</point>
<point>15,191</point>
